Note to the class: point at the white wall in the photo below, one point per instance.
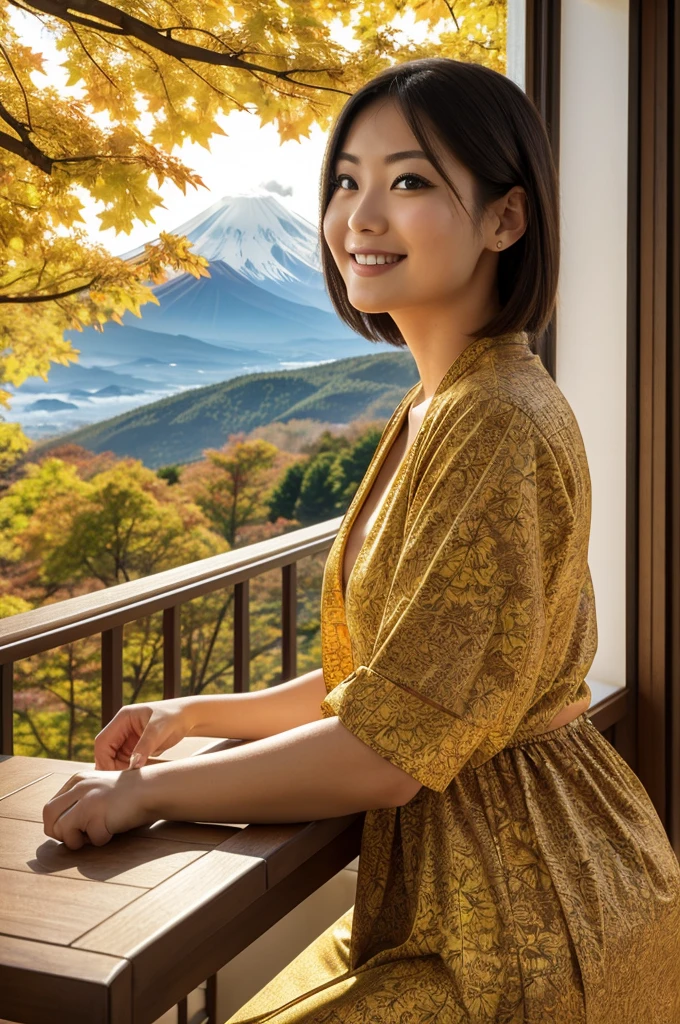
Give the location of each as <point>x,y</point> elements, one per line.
<point>591,309</point>
<point>515,44</point>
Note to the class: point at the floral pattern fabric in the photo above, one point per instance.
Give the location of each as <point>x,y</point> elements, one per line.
<point>530,878</point>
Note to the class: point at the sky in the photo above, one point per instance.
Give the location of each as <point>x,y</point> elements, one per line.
<point>235,161</point>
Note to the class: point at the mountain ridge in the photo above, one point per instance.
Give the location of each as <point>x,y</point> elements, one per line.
<point>176,429</point>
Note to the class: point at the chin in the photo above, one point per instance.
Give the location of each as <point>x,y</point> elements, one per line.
<point>368,309</point>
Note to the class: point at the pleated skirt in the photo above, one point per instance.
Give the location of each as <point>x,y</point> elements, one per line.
<point>590,894</point>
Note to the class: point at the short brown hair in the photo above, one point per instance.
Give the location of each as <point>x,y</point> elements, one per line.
<point>496,131</point>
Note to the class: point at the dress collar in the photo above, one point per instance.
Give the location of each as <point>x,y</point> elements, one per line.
<point>335,641</point>
<point>468,356</point>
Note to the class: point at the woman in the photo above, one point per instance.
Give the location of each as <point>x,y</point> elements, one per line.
<point>512,867</point>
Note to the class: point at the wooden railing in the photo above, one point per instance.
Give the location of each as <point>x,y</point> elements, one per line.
<point>106,612</point>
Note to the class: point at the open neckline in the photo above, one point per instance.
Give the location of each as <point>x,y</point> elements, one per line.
<point>461,363</point>
<point>401,415</point>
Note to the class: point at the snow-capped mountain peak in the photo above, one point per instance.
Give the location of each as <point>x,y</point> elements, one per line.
<point>255,235</point>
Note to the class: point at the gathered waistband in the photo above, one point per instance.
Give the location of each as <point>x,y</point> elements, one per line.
<point>577,723</point>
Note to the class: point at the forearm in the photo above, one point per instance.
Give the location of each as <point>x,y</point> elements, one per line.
<point>314,771</point>
<point>262,713</point>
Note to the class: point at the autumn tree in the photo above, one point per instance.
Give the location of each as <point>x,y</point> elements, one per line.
<point>123,524</point>
<point>231,484</point>
<point>75,522</point>
<point>66,530</point>
<point>13,444</point>
<point>180,66</point>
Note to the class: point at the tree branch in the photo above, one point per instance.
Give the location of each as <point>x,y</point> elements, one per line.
<point>455,20</point>
<point>116,22</point>
<point>27,151</point>
<point>46,298</point>
<point>190,28</point>
<point>91,58</point>
<point>15,202</point>
<point>50,753</point>
<point>19,83</point>
<point>103,19</point>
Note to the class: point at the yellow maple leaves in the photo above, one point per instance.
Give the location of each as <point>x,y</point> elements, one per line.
<point>151,77</point>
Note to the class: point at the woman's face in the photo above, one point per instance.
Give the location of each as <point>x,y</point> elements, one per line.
<point>404,206</point>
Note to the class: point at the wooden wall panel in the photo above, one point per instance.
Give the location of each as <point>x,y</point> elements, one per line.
<point>653,739</point>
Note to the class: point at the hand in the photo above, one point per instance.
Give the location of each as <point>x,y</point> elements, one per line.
<point>143,729</point>
<point>92,806</point>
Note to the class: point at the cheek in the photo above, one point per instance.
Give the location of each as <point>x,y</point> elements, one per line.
<point>333,230</point>
<point>435,237</point>
<point>428,229</point>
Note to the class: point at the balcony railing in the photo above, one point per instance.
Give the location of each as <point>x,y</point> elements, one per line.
<point>106,612</point>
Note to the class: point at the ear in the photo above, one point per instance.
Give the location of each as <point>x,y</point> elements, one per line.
<point>511,210</point>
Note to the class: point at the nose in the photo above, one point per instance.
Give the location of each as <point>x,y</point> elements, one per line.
<point>367,215</point>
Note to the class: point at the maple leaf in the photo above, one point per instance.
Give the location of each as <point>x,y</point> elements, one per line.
<point>275,58</point>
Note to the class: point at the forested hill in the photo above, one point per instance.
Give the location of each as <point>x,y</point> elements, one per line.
<point>177,429</point>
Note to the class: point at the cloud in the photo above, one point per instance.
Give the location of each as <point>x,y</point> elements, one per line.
<point>275,186</point>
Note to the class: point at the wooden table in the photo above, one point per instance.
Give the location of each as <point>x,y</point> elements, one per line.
<point>120,933</point>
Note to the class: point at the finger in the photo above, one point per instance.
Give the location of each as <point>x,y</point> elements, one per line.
<point>68,827</point>
<point>70,782</point>
<point>106,749</point>
<point>103,762</point>
<point>52,812</point>
<point>98,833</point>
<point>147,746</point>
<point>115,764</point>
<point>115,742</point>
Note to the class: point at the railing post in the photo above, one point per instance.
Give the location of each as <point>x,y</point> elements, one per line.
<point>112,673</point>
<point>172,652</point>
<point>242,636</point>
<point>211,999</point>
<point>288,621</point>
<point>7,708</point>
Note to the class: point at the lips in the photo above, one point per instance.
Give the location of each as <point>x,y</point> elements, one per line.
<point>354,255</point>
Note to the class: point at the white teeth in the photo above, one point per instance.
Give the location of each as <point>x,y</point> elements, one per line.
<point>371,259</point>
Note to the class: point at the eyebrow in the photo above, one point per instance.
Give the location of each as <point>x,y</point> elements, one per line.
<point>407,154</point>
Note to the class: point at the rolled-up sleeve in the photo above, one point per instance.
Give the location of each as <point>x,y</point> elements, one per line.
<point>463,636</point>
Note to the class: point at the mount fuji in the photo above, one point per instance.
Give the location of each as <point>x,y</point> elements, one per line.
<point>265,289</point>
<point>264,307</point>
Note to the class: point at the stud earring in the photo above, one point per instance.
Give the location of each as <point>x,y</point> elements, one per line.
<point>499,244</point>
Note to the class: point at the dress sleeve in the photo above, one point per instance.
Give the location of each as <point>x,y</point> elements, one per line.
<point>463,635</point>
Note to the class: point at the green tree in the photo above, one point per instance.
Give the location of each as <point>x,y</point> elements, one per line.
<point>317,500</point>
<point>171,474</point>
<point>62,536</point>
<point>285,494</point>
<point>13,444</point>
<point>352,463</point>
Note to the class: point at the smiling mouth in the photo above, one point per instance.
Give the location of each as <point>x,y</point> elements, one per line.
<point>392,261</point>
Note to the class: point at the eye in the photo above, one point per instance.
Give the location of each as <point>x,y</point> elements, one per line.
<point>337,182</point>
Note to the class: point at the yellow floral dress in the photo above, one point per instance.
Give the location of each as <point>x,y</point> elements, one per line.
<point>530,879</point>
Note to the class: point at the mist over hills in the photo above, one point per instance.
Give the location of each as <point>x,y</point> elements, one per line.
<point>264,308</point>
<point>177,429</point>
